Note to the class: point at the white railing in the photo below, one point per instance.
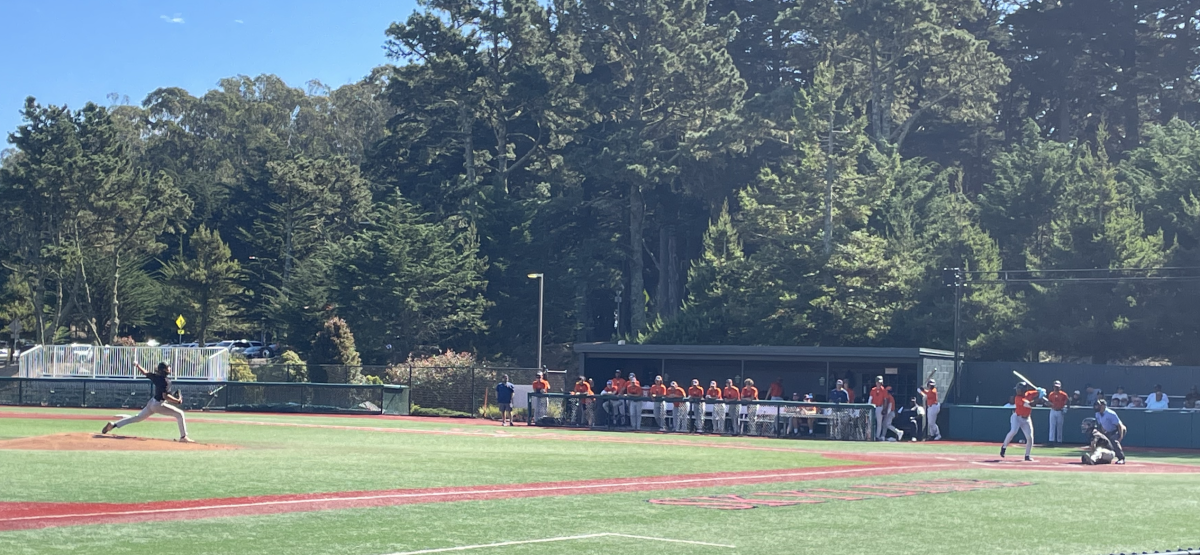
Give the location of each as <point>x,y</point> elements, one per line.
<point>88,361</point>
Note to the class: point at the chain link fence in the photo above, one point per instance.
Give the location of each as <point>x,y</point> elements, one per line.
<point>451,390</point>
<point>204,395</point>
<point>850,422</point>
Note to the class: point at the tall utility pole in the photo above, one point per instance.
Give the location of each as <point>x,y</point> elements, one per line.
<point>541,311</point>
<point>829,187</point>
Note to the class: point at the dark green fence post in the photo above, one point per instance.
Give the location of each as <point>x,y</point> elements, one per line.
<point>472,392</point>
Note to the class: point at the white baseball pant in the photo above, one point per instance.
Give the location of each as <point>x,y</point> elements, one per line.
<point>719,418</point>
<point>681,416</point>
<point>698,414</point>
<point>879,427</point>
<point>635,414</point>
<point>931,415</point>
<point>1056,425</point>
<point>159,407</point>
<point>660,415</point>
<point>1023,423</point>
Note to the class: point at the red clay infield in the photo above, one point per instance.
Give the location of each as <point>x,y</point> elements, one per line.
<point>95,442</point>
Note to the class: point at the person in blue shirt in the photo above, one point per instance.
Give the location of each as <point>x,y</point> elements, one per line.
<point>1111,426</point>
<point>839,395</point>
<point>504,397</point>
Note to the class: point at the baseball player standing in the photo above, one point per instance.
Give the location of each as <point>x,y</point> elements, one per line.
<point>732,393</point>
<point>1020,420</point>
<point>633,388</point>
<point>1058,410</point>
<point>712,396</point>
<point>658,393</point>
<point>696,401</point>
<point>540,385</point>
<point>889,411</point>
<point>932,408</point>
<point>680,410</point>
<point>878,398</point>
<point>158,403</point>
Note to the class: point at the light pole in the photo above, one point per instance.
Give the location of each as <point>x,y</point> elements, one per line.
<point>541,296</point>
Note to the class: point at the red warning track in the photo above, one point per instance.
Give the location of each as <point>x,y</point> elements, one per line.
<point>22,516</point>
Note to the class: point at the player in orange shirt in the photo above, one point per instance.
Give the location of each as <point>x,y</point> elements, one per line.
<point>889,411</point>
<point>1020,420</point>
<point>932,408</point>
<point>1058,411</point>
<point>582,390</point>
<point>731,394</point>
<point>750,393</point>
<point>879,399</point>
<point>696,402</point>
<point>658,392</point>
<point>713,396</point>
<point>633,388</point>
<point>775,391</point>
<point>540,385</point>
<point>679,412</point>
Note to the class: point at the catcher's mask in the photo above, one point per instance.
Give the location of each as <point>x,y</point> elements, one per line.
<point>1087,425</point>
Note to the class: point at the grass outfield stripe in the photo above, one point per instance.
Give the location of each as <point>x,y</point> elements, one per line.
<point>333,502</point>
<point>561,539</point>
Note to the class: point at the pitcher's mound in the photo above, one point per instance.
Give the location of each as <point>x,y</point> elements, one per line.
<point>97,442</point>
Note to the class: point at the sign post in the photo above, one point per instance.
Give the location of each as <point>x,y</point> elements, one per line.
<point>179,323</point>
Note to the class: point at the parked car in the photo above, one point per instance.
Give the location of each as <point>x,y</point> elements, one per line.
<point>258,350</point>
<point>241,345</point>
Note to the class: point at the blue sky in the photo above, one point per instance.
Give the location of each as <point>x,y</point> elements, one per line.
<point>75,51</point>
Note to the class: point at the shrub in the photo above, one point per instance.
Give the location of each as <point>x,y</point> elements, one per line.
<point>124,342</point>
<point>239,370</point>
<point>335,346</point>
<point>418,410</point>
<point>492,412</point>
<point>297,369</point>
<point>443,380</point>
<point>373,380</point>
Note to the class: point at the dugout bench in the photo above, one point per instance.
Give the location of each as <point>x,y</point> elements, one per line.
<point>853,422</point>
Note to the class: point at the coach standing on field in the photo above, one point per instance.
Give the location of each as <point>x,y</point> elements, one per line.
<point>1111,426</point>
<point>504,398</point>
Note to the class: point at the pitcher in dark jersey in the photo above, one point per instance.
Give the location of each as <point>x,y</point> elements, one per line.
<point>158,403</point>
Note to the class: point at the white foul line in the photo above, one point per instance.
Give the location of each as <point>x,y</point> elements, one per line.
<point>560,539</point>
<point>703,480</point>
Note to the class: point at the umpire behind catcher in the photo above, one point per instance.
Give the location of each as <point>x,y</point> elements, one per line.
<point>157,403</point>
<point>1111,426</point>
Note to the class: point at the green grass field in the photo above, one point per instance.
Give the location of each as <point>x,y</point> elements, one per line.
<point>1060,513</point>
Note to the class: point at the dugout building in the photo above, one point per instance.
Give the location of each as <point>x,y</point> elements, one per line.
<point>803,369</point>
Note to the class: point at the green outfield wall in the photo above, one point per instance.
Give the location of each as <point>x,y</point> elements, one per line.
<point>1168,429</point>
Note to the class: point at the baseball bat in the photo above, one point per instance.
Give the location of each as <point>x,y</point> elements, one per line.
<point>1027,380</point>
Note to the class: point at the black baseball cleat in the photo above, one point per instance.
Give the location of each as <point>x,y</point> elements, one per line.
<point>1029,459</point>
<point>1002,449</point>
<point>107,428</point>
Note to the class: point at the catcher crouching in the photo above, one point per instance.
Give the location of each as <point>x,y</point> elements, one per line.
<point>1100,450</point>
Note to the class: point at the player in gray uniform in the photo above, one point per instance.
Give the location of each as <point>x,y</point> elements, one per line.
<point>1100,450</point>
<point>158,403</point>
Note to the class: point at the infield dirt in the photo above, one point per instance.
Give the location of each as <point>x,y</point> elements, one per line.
<point>97,442</point>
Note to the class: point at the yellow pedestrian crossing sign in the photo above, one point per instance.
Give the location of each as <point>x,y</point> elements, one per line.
<point>179,322</point>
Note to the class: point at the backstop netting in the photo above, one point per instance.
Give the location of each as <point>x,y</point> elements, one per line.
<point>851,422</point>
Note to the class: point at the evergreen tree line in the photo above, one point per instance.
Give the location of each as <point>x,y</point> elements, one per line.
<point>786,172</point>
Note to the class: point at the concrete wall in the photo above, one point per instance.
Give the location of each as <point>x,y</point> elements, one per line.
<point>992,382</point>
<point>1172,429</point>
